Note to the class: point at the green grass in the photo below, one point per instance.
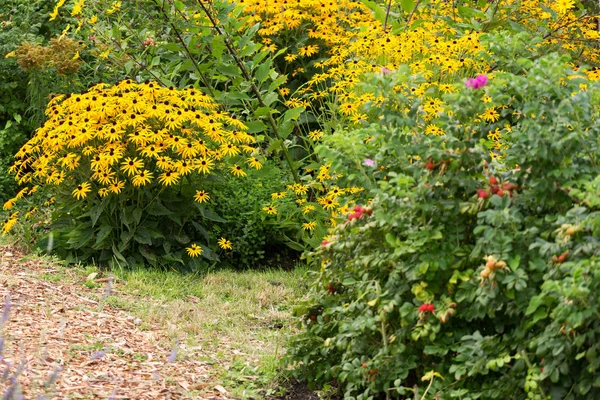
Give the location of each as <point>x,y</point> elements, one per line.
<point>238,321</point>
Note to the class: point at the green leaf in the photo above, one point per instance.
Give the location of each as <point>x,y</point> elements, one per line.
<point>378,12</point>
<point>255,126</point>
<point>407,5</point>
<point>158,209</point>
<point>96,211</point>
<point>103,233</point>
<point>209,214</point>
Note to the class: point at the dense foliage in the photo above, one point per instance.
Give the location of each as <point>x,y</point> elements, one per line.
<point>438,158</point>
<point>472,278</point>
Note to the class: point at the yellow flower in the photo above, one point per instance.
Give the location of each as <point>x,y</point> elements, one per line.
<point>307,209</point>
<point>290,57</point>
<point>77,7</point>
<point>194,250</point>
<point>254,162</point>
<point>224,244</point>
<point>562,6</point>
<point>81,191</point>
<point>131,166</point>
<point>168,178</point>
<point>309,226</point>
<point>308,50</point>
<point>270,210</point>
<point>278,195</point>
<point>10,204</point>
<point>490,115</point>
<point>236,170</point>
<point>204,165</point>
<point>143,178</point>
<point>315,135</point>
<point>201,196</point>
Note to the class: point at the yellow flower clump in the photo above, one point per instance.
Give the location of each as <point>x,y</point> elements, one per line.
<point>132,135</point>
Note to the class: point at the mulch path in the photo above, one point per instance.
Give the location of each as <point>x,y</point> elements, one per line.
<point>96,351</point>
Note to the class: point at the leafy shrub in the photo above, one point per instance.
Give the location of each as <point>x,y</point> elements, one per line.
<point>126,163</point>
<point>256,238</point>
<point>476,276</point>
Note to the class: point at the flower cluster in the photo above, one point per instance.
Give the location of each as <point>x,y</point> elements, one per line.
<point>131,136</point>
<point>478,82</point>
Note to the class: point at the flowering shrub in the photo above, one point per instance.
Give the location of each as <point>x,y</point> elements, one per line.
<point>126,161</point>
<point>473,277</point>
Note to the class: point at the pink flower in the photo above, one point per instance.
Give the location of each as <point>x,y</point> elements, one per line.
<point>478,82</point>
<point>369,163</point>
<point>385,70</point>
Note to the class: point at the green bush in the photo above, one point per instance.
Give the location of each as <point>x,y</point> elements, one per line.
<point>256,238</point>
<point>476,276</point>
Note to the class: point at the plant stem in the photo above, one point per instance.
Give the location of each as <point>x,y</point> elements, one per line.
<point>187,50</point>
<point>387,15</point>
<point>253,87</point>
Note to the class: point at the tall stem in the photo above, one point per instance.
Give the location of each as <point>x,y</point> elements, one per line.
<point>253,87</point>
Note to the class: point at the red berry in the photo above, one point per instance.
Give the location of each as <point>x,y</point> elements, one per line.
<point>426,308</point>
<point>351,217</point>
<point>331,288</point>
<point>482,193</point>
<point>359,209</point>
<point>324,243</point>
<point>369,211</point>
<point>493,180</point>
<point>430,165</point>
<point>494,189</point>
<point>500,193</point>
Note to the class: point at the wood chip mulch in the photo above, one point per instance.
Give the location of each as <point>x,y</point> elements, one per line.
<point>55,330</point>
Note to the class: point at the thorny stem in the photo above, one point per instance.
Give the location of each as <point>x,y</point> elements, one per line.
<point>255,90</point>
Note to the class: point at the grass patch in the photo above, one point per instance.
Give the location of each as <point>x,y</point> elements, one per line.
<point>238,321</point>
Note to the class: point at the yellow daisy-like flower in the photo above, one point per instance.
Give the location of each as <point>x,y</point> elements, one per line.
<point>194,250</point>
<point>254,162</point>
<point>131,166</point>
<point>307,209</point>
<point>224,244</point>
<point>309,226</point>
<point>81,191</point>
<point>290,57</point>
<point>238,171</point>
<point>278,195</point>
<point>143,178</point>
<point>201,196</point>
<point>204,165</point>
<point>490,115</point>
<point>270,210</point>
<point>168,178</point>
<point>9,204</point>
<point>315,135</point>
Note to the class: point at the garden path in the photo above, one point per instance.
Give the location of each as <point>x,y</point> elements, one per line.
<point>96,351</point>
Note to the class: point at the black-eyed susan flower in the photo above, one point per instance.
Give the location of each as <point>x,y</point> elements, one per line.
<point>201,196</point>
<point>132,166</point>
<point>224,244</point>
<point>271,210</point>
<point>309,226</point>
<point>81,190</point>
<point>194,250</point>
<point>236,170</point>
